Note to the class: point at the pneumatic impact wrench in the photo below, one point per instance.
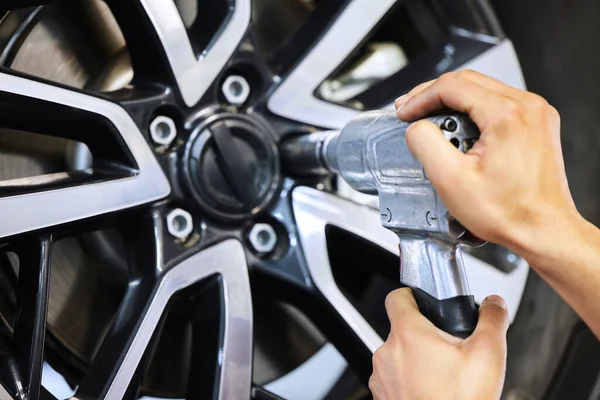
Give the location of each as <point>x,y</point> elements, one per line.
<point>370,153</point>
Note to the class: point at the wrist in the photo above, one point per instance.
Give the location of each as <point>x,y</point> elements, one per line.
<point>548,242</point>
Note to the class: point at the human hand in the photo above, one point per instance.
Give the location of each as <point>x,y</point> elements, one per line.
<point>420,362</point>
<point>511,185</point>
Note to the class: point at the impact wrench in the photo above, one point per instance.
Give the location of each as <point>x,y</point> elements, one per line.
<point>370,153</point>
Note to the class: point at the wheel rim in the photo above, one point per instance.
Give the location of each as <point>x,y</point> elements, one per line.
<point>135,183</point>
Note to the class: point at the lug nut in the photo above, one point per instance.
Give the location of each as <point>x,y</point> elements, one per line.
<point>236,89</point>
<point>180,223</point>
<point>263,238</point>
<point>163,130</point>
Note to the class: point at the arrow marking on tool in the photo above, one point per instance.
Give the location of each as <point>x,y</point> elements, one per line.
<point>388,214</point>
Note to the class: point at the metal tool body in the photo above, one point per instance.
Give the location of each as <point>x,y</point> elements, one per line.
<point>370,153</point>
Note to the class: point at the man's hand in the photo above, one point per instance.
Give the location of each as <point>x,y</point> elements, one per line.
<point>511,187</point>
<point>419,361</point>
<point>512,183</point>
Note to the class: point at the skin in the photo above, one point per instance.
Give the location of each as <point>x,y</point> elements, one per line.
<point>510,189</point>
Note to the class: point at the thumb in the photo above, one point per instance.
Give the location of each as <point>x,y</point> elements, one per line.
<point>440,158</point>
<point>493,322</point>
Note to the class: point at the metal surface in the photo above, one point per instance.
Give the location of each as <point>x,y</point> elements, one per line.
<point>180,223</point>
<point>236,89</point>
<point>315,209</point>
<point>226,259</point>
<point>434,266</point>
<point>263,238</point>
<point>163,130</point>
<point>195,74</point>
<point>30,323</point>
<point>294,98</point>
<point>302,155</point>
<point>370,153</point>
<point>33,211</point>
<point>322,371</point>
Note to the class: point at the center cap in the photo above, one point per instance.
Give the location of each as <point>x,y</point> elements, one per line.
<point>231,165</point>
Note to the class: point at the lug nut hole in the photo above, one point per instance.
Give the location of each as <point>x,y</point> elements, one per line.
<point>163,130</point>
<point>180,223</point>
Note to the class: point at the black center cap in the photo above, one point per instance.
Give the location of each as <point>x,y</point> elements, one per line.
<point>231,165</point>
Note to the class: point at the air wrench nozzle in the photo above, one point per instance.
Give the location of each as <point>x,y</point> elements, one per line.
<point>370,153</point>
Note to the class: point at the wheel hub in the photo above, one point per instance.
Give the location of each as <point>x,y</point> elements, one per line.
<point>231,165</point>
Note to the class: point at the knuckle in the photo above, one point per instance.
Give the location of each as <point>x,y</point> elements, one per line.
<point>466,73</point>
<point>373,386</point>
<point>538,103</point>
<point>372,383</point>
<point>513,108</point>
<point>377,356</point>
<point>448,78</point>
<point>406,331</point>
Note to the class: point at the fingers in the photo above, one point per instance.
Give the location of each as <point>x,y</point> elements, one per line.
<point>466,91</point>
<point>400,101</point>
<point>401,305</point>
<point>493,323</point>
<point>489,83</point>
<point>452,91</point>
<point>439,157</point>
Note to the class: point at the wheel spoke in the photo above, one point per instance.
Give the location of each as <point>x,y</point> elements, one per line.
<point>22,366</point>
<point>112,371</point>
<point>314,210</point>
<point>118,180</point>
<point>295,99</point>
<point>193,74</point>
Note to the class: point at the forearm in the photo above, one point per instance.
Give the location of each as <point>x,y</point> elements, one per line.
<point>566,254</point>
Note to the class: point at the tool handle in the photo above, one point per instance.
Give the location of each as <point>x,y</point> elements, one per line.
<point>434,269</point>
<point>456,316</point>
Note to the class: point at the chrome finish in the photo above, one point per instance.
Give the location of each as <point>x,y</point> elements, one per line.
<point>434,266</point>
<point>194,75</point>
<point>33,211</point>
<point>315,209</point>
<point>163,130</point>
<point>235,360</point>
<point>370,154</point>
<point>263,238</point>
<point>180,223</point>
<point>294,97</point>
<point>236,89</point>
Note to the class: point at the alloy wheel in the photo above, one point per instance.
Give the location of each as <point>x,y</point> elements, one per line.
<point>222,168</point>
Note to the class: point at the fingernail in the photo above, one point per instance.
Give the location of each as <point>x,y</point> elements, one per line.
<point>494,299</point>
<point>397,100</point>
